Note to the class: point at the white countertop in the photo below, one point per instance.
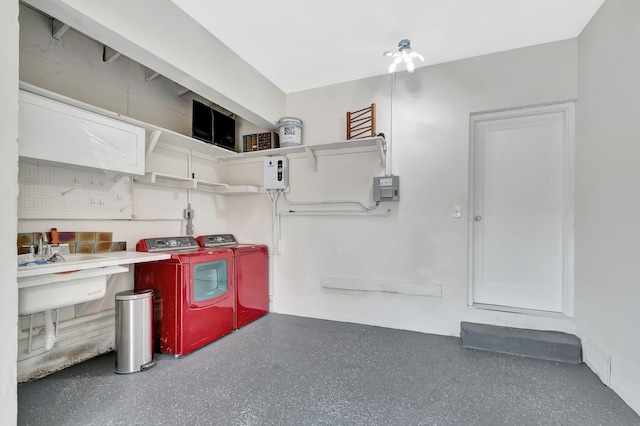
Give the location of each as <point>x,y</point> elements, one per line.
<point>98,260</point>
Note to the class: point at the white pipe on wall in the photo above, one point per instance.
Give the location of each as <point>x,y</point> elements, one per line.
<point>275,243</point>
<point>71,322</point>
<point>49,331</point>
<point>389,163</point>
<point>319,203</point>
<point>333,213</point>
<point>133,198</point>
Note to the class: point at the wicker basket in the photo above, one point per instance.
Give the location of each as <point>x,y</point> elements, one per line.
<point>260,141</point>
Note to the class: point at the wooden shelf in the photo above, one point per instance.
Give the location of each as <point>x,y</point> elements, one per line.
<point>168,181</point>
<point>172,139</point>
<point>179,182</point>
<point>240,190</point>
<point>376,143</point>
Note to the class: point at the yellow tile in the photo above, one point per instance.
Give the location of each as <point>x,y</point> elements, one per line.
<point>103,237</point>
<point>119,246</point>
<point>85,248</point>
<point>86,237</point>
<point>103,247</point>
<point>25,239</point>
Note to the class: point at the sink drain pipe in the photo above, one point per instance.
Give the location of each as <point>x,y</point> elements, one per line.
<point>49,330</point>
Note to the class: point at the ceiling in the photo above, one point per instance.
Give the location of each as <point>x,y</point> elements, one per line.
<point>301,44</point>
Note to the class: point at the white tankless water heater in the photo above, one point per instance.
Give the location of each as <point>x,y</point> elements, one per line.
<point>276,172</point>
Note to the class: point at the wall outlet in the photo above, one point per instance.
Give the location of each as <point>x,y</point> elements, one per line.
<point>457,211</point>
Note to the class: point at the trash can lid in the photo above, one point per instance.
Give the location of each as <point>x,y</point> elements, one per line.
<point>134,294</point>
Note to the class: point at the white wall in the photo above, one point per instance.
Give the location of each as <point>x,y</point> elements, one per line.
<point>8,226</point>
<point>421,242</point>
<point>607,195</point>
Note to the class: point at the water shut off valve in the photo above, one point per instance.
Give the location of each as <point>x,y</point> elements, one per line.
<point>189,213</point>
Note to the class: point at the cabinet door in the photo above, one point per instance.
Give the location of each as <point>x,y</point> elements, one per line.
<point>55,132</point>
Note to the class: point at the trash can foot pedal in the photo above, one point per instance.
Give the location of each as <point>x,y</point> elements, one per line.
<point>145,367</point>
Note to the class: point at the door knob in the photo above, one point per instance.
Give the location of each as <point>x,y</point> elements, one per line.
<point>478,218</point>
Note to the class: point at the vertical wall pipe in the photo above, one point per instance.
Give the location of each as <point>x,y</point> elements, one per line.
<point>389,163</point>
<point>49,330</point>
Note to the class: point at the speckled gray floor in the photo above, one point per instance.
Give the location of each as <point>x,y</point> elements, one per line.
<point>284,370</point>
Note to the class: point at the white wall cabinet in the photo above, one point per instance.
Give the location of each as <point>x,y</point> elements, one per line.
<point>55,132</point>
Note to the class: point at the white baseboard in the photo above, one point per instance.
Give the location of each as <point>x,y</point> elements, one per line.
<point>399,287</point>
<point>598,360</point>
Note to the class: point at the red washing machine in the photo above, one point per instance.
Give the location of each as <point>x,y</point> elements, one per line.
<point>194,293</point>
<point>251,276</point>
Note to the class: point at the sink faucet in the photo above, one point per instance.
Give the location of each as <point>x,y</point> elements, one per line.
<point>42,245</point>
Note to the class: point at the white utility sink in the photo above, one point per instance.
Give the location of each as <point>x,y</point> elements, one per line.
<point>53,291</point>
<point>80,278</point>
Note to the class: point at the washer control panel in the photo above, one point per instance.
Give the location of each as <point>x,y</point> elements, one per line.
<point>170,243</point>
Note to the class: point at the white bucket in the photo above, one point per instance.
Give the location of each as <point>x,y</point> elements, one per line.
<point>290,129</point>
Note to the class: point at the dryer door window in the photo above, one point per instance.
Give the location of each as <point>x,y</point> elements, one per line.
<point>210,281</point>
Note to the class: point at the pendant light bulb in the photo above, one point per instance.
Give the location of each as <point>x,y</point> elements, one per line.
<point>405,55</point>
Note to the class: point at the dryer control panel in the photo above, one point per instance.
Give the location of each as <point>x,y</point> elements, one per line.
<point>170,243</point>
<point>217,240</point>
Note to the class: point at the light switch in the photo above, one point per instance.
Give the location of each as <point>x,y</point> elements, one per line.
<point>457,210</point>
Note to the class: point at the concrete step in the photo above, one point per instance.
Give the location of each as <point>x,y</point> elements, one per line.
<point>549,345</point>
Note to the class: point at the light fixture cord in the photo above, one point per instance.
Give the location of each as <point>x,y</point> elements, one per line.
<point>389,167</point>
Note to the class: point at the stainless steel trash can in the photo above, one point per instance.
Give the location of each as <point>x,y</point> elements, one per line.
<point>134,331</point>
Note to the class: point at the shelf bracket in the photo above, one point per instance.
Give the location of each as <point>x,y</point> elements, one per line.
<point>312,158</point>
<point>109,55</point>
<point>58,29</point>
<point>182,91</point>
<point>150,74</point>
<point>382,146</point>
<point>153,140</point>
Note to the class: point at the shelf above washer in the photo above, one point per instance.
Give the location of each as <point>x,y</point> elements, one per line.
<point>170,181</point>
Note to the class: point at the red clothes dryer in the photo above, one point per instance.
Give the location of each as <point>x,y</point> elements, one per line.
<point>251,276</point>
<point>194,293</point>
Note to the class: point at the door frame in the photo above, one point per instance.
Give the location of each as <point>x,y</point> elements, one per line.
<point>567,109</point>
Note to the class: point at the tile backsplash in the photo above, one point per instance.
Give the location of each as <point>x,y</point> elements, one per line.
<point>79,242</point>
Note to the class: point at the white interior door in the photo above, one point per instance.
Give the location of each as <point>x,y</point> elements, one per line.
<point>522,209</point>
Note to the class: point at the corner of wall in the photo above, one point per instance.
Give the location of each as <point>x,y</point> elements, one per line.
<point>9,43</point>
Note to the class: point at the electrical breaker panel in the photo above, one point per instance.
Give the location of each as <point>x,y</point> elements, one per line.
<point>386,188</point>
<point>276,172</point>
